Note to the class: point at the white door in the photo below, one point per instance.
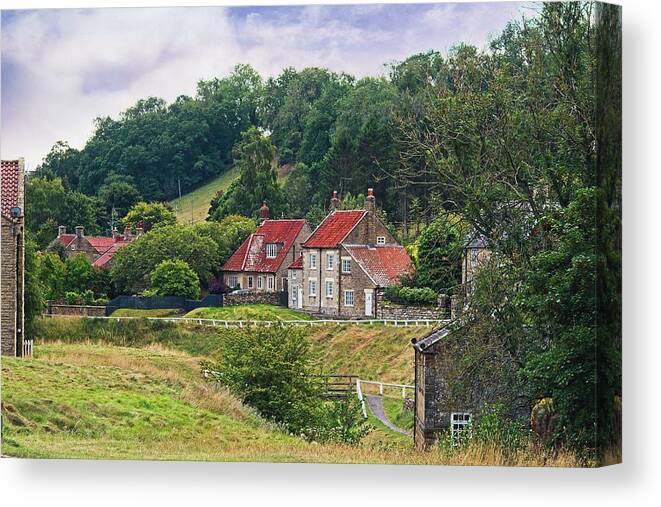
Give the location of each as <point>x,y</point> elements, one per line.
<point>300,297</point>
<point>368,303</point>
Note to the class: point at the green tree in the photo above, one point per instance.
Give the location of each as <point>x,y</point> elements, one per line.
<point>133,263</point>
<point>228,234</point>
<point>51,271</point>
<point>118,193</point>
<point>439,250</point>
<point>79,274</point>
<point>149,215</point>
<point>175,278</point>
<point>34,292</point>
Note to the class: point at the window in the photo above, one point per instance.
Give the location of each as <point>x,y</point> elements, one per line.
<point>293,274</point>
<point>250,281</point>
<point>329,262</point>
<point>313,261</point>
<point>260,282</point>
<point>460,423</point>
<point>380,240</point>
<point>348,298</point>
<point>233,281</point>
<point>269,282</point>
<point>329,288</point>
<point>346,265</point>
<point>271,250</point>
<point>312,288</point>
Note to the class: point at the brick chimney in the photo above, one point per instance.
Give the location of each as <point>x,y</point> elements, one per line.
<point>263,213</point>
<point>62,229</point>
<point>114,234</point>
<point>80,231</point>
<point>370,207</point>
<point>127,233</point>
<point>335,202</point>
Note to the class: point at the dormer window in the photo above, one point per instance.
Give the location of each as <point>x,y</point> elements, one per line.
<point>271,250</point>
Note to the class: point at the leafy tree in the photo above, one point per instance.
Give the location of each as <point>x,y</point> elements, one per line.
<point>439,250</point>
<point>228,234</point>
<point>79,274</point>
<point>297,190</point>
<point>149,215</point>
<point>175,278</point>
<point>34,298</point>
<point>133,263</point>
<point>257,182</point>
<point>119,193</point>
<point>272,370</point>
<point>51,271</point>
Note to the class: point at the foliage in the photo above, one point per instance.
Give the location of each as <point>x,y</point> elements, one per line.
<point>133,263</point>
<point>228,234</point>
<point>175,278</point>
<point>52,272</point>
<point>34,298</point>
<point>79,273</point>
<point>411,295</point>
<point>272,370</point>
<point>118,193</point>
<point>149,215</point>
<point>439,251</point>
<point>255,157</point>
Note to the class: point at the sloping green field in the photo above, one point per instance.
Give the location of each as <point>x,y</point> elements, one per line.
<point>195,205</point>
<point>248,312</point>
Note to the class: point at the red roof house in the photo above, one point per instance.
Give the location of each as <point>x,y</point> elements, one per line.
<point>261,262</point>
<point>98,249</point>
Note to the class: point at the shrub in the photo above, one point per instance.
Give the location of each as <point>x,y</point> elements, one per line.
<point>411,295</point>
<point>72,298</point>
<point>88,297</point>
<point>175,278</point>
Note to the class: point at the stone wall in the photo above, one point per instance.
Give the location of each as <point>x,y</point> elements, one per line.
<point>254,297</point>
<point>388,310</point>
<point>8,288</point>
<point>77,310</point>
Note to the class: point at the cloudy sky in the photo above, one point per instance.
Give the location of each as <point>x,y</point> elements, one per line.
<point>63,68</point>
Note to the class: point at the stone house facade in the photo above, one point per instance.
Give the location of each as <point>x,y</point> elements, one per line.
<point>12,258</point>
<point>261,263</point>
<point>348,258</point>
<point>476,253</point>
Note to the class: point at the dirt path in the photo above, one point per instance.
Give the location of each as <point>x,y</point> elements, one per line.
<point>375,404</point>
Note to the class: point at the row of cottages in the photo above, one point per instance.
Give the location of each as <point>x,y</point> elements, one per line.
<point>260,263</point>
<point>98,249</point>
<point>12,259</point>
<point>349,257</point>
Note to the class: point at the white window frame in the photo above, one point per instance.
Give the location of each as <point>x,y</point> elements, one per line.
<point>380,240</point>
<point>270,282</point>
<point>233,281</point>
<point>330,261</point>
<point>329,285</point>
<point>251,282</point>
<point>346,261</point>
<point>293,274</point>
<point>460,422</point>
<point>260,282</point>
<point>312,287</point>
<point>346,300</point>
<point>271,250</point>
<point>313,260</point>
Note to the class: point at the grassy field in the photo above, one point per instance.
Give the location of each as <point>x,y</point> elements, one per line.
<point>394,409</point>
<point>248,312</point>
<point>195,204</point>
<point>88,400</point>
<point>160,312</point>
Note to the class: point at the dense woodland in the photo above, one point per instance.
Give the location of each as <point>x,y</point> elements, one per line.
<point>519,143</point>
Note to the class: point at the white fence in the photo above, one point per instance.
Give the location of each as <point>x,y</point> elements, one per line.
<point>381,385</point>
<point>282,323</point>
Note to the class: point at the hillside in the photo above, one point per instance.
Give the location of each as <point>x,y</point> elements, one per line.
<point>195,205</point>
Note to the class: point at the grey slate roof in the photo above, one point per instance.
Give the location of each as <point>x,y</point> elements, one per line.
<point>431,338</point>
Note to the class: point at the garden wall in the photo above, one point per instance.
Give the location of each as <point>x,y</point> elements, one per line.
<point>162,302</point>
<point>76,310</point>
<point>244,297</point>
<point>386,309</point>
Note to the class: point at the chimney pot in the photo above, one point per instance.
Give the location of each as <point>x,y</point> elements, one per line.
<point>263,213</point>
<point>335,202</point>
<point>80,231</point>
<point>62,229</point>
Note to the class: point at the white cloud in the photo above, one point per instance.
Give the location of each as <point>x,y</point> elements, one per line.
<point>63,68</point>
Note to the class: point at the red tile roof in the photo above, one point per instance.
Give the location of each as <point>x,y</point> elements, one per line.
<point>100,243</point>
<point>103,261</point>
<point>251,255</point>
<point>384,264</point>
<point>334,229</point>
<point>9,174</point>
<point>297,264</point>
<point>66,239</point>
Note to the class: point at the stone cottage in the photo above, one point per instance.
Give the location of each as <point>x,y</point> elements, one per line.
<point>435,412</point>
<point>98,249</point>
<point>348,258</point>
<point>260,263</point>
<point>12,259</point>
<point>476,253</point>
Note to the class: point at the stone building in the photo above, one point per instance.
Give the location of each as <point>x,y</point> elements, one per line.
<point>435,411</point>
<point>349,257</point>
<point>98,249</point>
<point>476,253</point>
<point>260,263</point>
<point>12,259</point>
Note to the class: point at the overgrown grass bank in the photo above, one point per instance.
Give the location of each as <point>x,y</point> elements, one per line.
<point>248,312</point>
<point>107,402</point>
<point>158,312</point>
